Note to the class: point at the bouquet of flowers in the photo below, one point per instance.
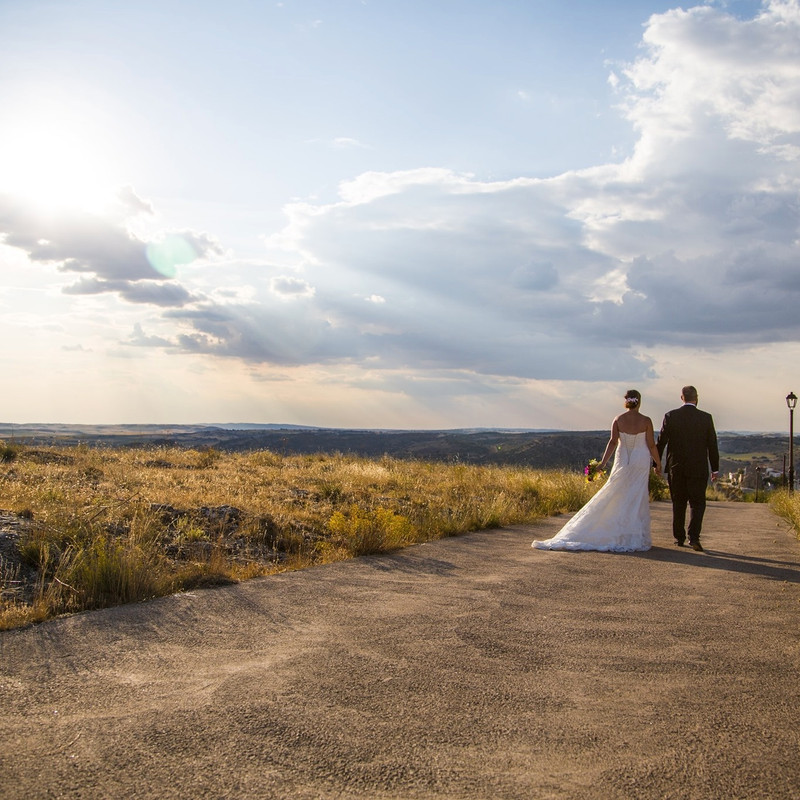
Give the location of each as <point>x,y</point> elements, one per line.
<point>593,470</point>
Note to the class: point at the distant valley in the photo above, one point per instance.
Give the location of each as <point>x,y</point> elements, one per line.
<point>535,448</point>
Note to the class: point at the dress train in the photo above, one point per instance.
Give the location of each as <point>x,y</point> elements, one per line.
<point>617,518</point>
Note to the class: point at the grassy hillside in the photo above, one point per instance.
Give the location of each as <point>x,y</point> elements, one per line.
<point>85,527</point>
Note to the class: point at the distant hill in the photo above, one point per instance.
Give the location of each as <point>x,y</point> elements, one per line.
<point>534,448</point>
<point>474,446</point>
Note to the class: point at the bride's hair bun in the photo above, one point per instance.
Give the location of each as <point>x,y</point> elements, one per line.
<point>632,398</point>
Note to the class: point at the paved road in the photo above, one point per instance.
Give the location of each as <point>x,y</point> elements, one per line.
<point>473,667</point>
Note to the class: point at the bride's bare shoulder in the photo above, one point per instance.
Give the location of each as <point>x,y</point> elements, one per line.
<point>633,423</point>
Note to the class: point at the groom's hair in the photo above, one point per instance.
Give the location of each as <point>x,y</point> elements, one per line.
<point>689,394</point>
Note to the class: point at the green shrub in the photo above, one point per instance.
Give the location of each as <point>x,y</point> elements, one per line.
<point>8,452</point>
<point>108,572</point>
<point>787,505</point>
<point>363,531</point>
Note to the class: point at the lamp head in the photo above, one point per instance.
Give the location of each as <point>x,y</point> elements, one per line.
<point>791,400</point>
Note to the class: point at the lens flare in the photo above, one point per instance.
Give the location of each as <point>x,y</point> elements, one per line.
<point>167,255</point>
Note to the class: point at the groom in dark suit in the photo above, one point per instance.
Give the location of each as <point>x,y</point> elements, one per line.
<point>690,440</point>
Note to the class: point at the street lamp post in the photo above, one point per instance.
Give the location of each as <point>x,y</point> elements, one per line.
<point>791,401</point>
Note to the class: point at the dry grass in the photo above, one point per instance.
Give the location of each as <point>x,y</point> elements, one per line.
<point>787,504</point>
<point>101,527</point>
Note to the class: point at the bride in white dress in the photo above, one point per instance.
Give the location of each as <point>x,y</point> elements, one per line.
<point>617,518</point>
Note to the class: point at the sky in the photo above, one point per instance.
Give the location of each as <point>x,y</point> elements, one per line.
<point>403,214</point>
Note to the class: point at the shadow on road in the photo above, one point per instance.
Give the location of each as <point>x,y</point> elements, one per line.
<point>732,562</point>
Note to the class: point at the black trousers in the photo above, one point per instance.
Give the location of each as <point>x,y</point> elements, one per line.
<point>692,490</point>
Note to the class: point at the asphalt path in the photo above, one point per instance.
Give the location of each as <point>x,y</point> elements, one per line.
<point>473,667</point>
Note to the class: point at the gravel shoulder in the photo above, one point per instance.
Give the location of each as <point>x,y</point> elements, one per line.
<point>473,667</point>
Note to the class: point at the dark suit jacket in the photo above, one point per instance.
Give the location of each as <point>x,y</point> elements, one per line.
<point>690,440</point>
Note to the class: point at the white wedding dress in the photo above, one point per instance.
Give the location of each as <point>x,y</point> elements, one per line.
<point>617,518</point>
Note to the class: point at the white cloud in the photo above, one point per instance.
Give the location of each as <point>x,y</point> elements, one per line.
<point>693,236</point>
<point>585,276</point>
<point>140,339</point>
<point>135,204</point>
<point>705,69</point>
<point>371,186</point>
<point>346,143</point>
<point>287,287</point>
<point>148,292</point>
<point>103,250</point>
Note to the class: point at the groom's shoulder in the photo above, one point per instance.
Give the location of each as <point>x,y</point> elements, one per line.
<point>699,414</point>
<point>707,416</point>
<point>685,413</point>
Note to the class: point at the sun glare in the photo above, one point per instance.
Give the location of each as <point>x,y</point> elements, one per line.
<point>56,157</point>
